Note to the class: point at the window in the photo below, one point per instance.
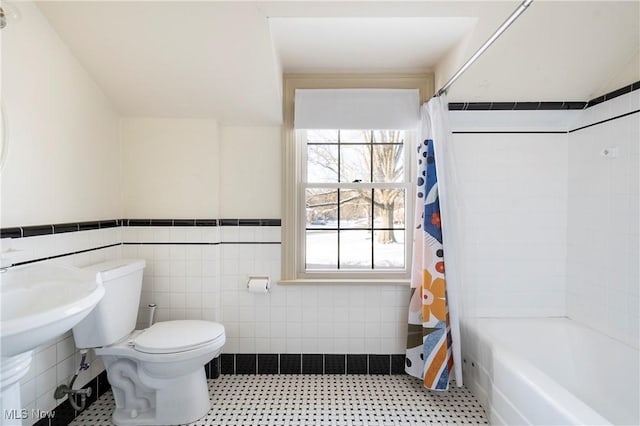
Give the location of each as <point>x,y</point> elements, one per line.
<point>347,191</point>
<point>355,186</point>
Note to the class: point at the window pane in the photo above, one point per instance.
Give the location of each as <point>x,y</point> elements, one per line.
<point>355,250</point>
<point>355,136</point>
<point>388,163</point>
<point>322,136</point>
<point>389,211</point>
<point>355,208</point>
<point>355,163</point>
<point>388,249</point>
<point>322,208</point>
<point>354,229</point>
<point>322,163</point>
<point>321,249</point>
<point>388,136</point>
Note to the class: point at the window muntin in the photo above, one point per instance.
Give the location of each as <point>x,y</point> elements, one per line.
<point>354,189</point>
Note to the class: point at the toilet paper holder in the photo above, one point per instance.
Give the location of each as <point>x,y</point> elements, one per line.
<point>259,282</point>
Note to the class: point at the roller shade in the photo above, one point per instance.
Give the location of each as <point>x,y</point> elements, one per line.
<point>357,109</point>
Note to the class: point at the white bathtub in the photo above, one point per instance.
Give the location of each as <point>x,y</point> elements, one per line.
<point>550,371</point>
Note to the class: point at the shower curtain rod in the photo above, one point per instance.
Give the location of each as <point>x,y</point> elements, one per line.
<point>523,6</point>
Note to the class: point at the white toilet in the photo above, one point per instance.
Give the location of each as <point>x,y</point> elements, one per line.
<point>157,374</point>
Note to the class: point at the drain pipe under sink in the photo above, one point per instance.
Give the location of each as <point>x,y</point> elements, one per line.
<point>63,390</point>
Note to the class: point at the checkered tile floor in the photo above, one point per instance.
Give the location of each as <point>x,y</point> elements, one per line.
<point>331,400</point>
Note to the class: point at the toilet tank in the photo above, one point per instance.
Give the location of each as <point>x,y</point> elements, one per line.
<point>115,316</point>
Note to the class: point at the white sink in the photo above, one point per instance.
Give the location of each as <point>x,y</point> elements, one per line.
<point>38,303</point>
<point>41,302</point>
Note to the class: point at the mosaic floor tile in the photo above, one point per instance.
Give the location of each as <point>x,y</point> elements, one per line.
<point>324,400</point>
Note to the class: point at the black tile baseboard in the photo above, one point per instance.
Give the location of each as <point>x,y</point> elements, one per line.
<point>290,363</point>
<point>357,364</point>
<point>213,369</point>
<point>246,364</point>
<point>268,364</point>
<point>312,364</point>
<point>335,364</point>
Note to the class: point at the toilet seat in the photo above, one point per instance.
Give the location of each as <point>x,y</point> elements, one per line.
<point>177,336</point>
<point>127,346</point>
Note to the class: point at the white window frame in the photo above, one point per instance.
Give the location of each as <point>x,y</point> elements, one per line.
<point>293,172</point>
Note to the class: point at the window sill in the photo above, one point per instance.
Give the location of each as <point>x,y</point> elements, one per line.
<point>345,281</point>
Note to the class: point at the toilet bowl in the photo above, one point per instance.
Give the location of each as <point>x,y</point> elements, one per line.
<point>156,375</point>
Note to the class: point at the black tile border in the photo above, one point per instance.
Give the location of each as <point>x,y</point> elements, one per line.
<point>340,364</point>
<point>57,228</point>
<point>88,226</point>
<point>61,228</point>
<point>246,364</point>
<point>212,369</point>
<point>65,227</point>
<point>335,364</point>
<point>604,121</point>
<point>542,105</point>
<point>250,222</point>
<point>290,363</point>
<point>206,222</point>
<point>227,364</point>
<point>516,106</point>
<point>398,363</point>
<point>26,262</point>
<point>357,364</point>
<point>268,364</point>
<point>11,233</point>
<point>35,231</point>
<point>380,364</point>
<point>312,364</point>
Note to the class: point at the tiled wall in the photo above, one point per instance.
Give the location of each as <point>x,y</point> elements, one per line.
<point>55,362</point>
<point>603,284</point>
<point>202,272</point>
<point>552,224</point>
<point>514,192</point>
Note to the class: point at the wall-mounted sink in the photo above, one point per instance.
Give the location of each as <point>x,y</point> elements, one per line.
<point>41,302</point>
<point>38,302</point>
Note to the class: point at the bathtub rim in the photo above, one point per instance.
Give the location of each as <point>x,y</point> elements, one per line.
<point>546,390</point>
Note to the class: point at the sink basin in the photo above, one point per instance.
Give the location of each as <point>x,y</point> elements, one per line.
<point>38,302</point>
<point>42,301</point>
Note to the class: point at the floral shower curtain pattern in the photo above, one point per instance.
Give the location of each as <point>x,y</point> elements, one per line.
<point>429,345</point>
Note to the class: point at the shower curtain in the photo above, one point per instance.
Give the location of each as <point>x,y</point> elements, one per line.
<point>433,348</point>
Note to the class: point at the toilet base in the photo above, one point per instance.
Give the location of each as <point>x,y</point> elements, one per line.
<point>145,400</point>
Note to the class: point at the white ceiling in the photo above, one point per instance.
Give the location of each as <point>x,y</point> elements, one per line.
<point>224,60</point>
<point>357,44</point>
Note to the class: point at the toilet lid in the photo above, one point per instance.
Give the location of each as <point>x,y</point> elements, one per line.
<point>177,336</point>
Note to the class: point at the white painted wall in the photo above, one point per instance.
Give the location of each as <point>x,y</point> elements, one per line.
<point>62,132</point>
<point>63,166</point>
<point>603,283</point>
<point>171,168</point>
<point>250,172</point>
